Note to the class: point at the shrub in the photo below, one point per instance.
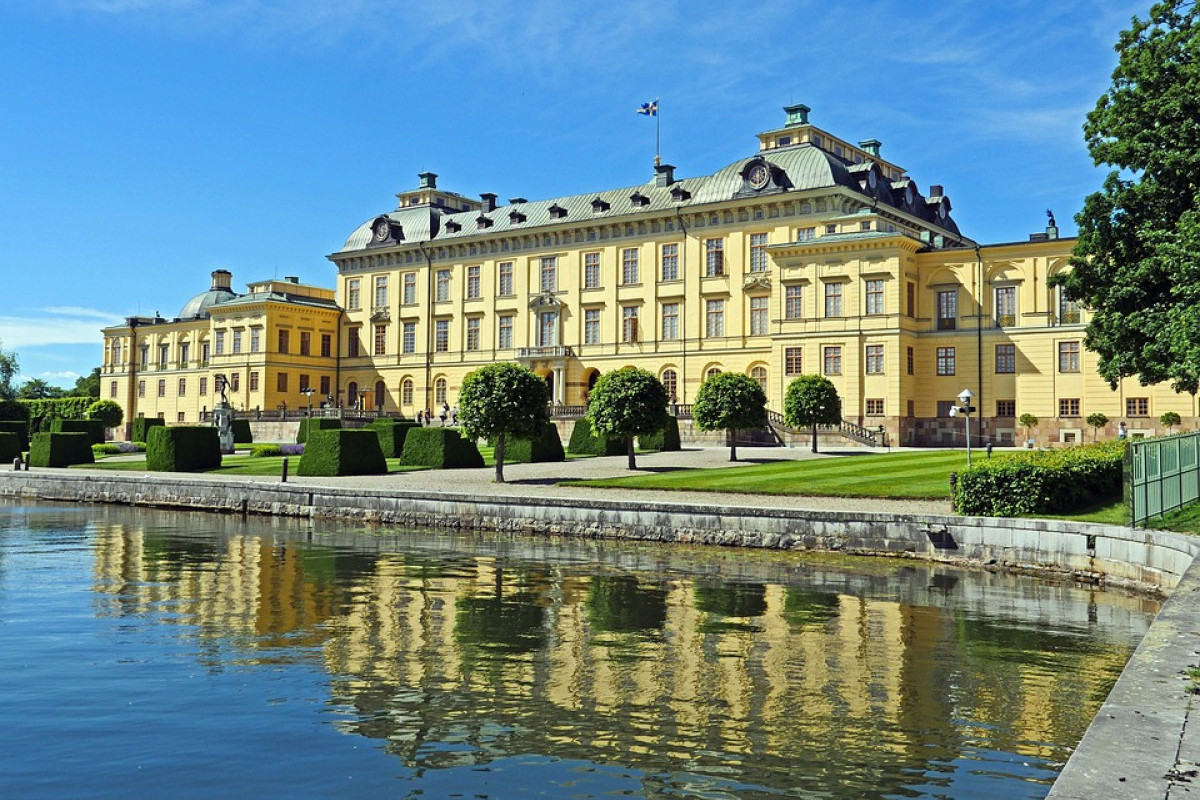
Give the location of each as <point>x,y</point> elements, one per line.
<point>183,448</point>
<point>140,430</point>
<point>18,427</point>
<point>241,432</point>
<point>14,411</point>
<point>1044,482</point>
<point>106,449</point>
<point>666,440</point>
<point>41,412</point>
<point>10,447</point>
<point>60,449</point>
<point>584,441</point>
<point>342,451</point>
<point>315,424</point>
<point>391,435</point>
<point>440,448</point>
<point>265,450</point>
<point>544,448</point>
<point>107,411</point>
<point>92,427</point>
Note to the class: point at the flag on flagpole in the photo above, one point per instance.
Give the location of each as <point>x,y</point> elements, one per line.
<point>649,109</point>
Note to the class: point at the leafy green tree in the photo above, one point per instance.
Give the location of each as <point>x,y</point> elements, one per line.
<point>625,403</point>
<point>107,411</point>
<point>1136,264</point>
<point>1169,420</point>
<point>1028,422</point>
<point>730,401</point>
<point>1097,421</point>
<point>9,367</point>
<point>503,400</point>
<point>87,385</point>
<point>38,389</point>
<point>812,400</point>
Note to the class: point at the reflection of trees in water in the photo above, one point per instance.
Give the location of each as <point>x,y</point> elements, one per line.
<point>620,604</point>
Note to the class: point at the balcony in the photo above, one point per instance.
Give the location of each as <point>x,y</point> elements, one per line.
<point>556,351</point>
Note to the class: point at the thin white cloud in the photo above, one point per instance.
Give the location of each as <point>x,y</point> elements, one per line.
<point>54,326</point>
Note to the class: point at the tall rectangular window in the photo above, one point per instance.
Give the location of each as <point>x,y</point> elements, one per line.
<point>204,354</point>
<point>758,252</point>
<point>548,329</point>
<point>548,267</point>
<point>670,321</point>
<point>163,355</point>
<point>758,316</point>
<point>381,291</point>
<point>305,343</point>
<point>442,286</point>
<point>182,389</point>
<point>220,348</point>
<point>303,382</point>
<point>505,281</point>
<point>353,301</point>
<point>253,381</point>
<point>380,340</point>
<point>874,359</point>
<point>353,346</point>
<point>629,266</point>
<point>947,310</point>
<point>591,270</point>
<point>1068,310</point>
<point>283,340</point>
<point>793,360</point>
<point>670,262</point>
<point>281,381</point>
<point>591,326</point>
<point>910,302</point>
<point>235,381</point>
<point>162,388</point>
<point>1068,356</point>
<point>945,361</point>
<point>141,389</point>
<point>1006,306</point>
<point>629,324</point>
<point>874,296</point>
<point>910,360</point>
<point>326,345</point>
<point>832,360</point>
<point>473,333</point>
<point>714,318</point>
<point>237,342</point>
<point>474,288</point>
<point>325,385</point>
<point>1006,359</point>
<point>112,389</point>
<point>504,332</point>
<point>1068,406</point>
<point>793,302</point>
<point>441,336</point>
<point>409,288</point>
<point>833,299</point>
<point>408,337</point>
<point>714,257</point>
<point>255,340</point>
<point>203,388</point>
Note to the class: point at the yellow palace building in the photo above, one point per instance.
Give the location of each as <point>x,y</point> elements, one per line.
<point>812,254</point>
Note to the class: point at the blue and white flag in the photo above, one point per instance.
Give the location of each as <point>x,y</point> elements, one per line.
<point>649,109</point>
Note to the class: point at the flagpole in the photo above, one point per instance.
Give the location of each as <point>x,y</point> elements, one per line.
<point>657,124</point>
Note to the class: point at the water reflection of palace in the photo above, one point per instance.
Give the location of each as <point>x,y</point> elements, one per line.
<point>668,669</point>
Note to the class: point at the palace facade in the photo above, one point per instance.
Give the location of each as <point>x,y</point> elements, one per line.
<point>812,254</point>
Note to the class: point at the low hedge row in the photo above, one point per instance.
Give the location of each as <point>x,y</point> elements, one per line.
<point>391,433</point>
<point>92,427</point>
<point>439,448</point>
<point>342,451</point>
<point>18,427</point>
<point>60,449</point>
<point>1042,482</point>
<point>546,447</point>
<point>183,448</point>
<point>666,440</point>
<point>307,426</point>
<point>140,429</point>
<point>585,442</point>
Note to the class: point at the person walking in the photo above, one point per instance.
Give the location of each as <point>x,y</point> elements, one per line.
<point>1122,431</point>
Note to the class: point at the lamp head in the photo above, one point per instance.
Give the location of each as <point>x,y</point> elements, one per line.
<point>966,396</point>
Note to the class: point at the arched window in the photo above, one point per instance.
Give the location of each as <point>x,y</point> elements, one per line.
<point>352,394</point>
<point>406,392</point>
<point>759,374</point>
<point>670,382</point>
<point>712,371</point>
<point>380,394</point>
<point>439,391</point>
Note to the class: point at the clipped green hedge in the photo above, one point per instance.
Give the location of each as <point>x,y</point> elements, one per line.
<point>92,427</point>
<point>20,428</point>
<point>1042,482</point>
<point>140,431</point>
<point>183,448</point>
<point>440,448</point>
<point>342,451</point>
<point>241,432</point>
<point>391,433</point>
<point>665,440</point>
<point>10,447</point>
<point>307,426</point>
<point>60,449</point>
<point>584,442</point>
<point>14,410</point>
<point>544,448</point>
<point>41,412</point>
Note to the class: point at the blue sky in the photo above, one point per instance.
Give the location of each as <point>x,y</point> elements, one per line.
<point>145,143</point>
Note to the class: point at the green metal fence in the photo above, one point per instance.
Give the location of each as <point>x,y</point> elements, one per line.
<point>1161,475</point>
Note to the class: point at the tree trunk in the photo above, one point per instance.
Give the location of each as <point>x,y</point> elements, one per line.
<point>814,438</point>
<point>500,458</point>
<point>732,445</point>
<point>629,450</point>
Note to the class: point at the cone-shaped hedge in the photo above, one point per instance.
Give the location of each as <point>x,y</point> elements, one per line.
<point>665,440</point>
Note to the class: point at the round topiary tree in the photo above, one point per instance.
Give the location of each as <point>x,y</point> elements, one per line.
<point>730,401</point>
<point>107,411</point>
<point>1169,420</point>
<point>1097,421</point>
<point>625,403</point>
<point>499,401</point>
<point>812,400</point>
<point>1028,422</point>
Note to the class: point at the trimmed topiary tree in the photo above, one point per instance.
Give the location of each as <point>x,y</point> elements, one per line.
<point>584,441</point>
<point>730,401</point>
<point>665,440</point>
<point>241,431</point>
<point>1097,421</point>
<point>1170,420</point>
<point>502,402</point>
<point>812,400</point>
<point>19,428</point>
<point>107,411</point>
<point>342,451</point>
<point>10,447</point>
<point>92,427</point>
<point>391,433</point>
<point>625,403</point>
<point>139,431</point>
<point>440,448</point>
<point>183,448</point>
<point>310,424</point>
<point>60,449</point>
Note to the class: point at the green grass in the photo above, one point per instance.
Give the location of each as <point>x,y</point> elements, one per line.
<point>1112,513</point>
<point>898,475</point>
<point>1184,520</point>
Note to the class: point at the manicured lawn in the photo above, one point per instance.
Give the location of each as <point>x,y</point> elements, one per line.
<point>1106,514</point>
<point>1185,520</point>
<point>900,475</point>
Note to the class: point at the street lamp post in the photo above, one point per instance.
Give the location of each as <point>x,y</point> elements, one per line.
<point>965,408</point>
<point>309,392</point>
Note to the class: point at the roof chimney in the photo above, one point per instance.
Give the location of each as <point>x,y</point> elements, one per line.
<point>935,190</point>
<point>516,201</point>
<point>871,146</point>
<point>291,278</point>
<point>664,175</point>
<point>796,115</point>
<point>222,279</point>
<point>489,201</point>
<point>428,180</point>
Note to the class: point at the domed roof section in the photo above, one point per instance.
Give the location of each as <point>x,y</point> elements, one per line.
<point>219,292</point>
<point>805,167</point>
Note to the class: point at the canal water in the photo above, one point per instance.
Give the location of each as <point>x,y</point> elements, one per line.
<point>172,655</point>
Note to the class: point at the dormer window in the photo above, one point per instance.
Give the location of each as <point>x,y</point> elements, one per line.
<point>483,222</point>
<point>557,211</point>
<point>639,199</point>
<point>679,193</point>
<point>599,206</point>
<point>453,227</point>
<point>516,218</point>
